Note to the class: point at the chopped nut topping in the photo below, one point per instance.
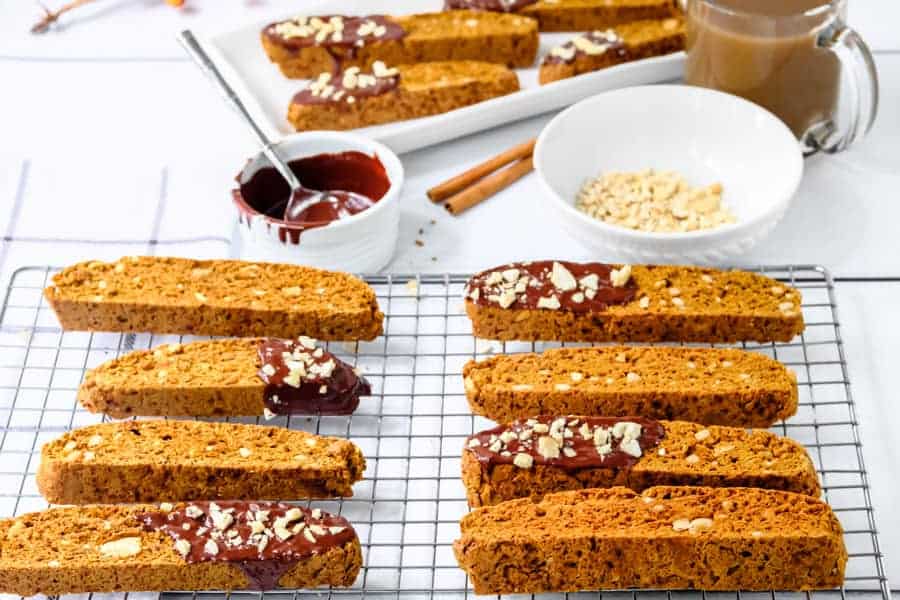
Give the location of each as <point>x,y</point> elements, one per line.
<point>523,461</point>
<point>644,302</point>
<point>692,459</point>
<point>551,303</point>
<point>183,547</point>
<point>653,201</point>
<point>122,547</point>
<point>632,377</point>
<point>562,278</point>
<point>701,435</point>
<point>245,452</point>
<point>681,525</point>
<point>620,277</point>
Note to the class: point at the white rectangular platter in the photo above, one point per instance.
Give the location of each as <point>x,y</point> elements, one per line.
<point>267,93</point>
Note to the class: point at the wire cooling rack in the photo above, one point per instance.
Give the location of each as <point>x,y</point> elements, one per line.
<point>407,508</point>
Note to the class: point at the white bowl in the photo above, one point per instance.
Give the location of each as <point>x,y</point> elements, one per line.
<point>705,135</point>
<point>361,243</point>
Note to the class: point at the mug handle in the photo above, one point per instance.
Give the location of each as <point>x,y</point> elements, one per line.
<point>856,59</point>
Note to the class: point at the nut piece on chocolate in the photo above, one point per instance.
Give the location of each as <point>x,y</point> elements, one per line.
<point>629,303</point>
<point>511,461</point>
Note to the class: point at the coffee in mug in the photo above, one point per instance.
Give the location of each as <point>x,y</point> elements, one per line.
<point>785,55</point>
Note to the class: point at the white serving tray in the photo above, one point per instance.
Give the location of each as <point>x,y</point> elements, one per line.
<point>267,93</point>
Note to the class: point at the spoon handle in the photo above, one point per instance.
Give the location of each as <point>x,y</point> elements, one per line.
<point>202,60</point>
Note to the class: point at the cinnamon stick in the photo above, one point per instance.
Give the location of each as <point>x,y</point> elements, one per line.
<point>489,186</point>
<point>464,180</point>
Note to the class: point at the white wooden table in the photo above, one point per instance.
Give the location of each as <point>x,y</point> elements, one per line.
<point>110,139</point>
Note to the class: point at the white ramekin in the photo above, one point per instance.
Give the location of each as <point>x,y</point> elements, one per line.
<point>361,243</point>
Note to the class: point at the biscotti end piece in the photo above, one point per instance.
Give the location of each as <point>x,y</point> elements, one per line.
<point>596,302</point>
<point>715,386</point>
<point>121,549</point>
<point>303,47</point>
<point>599,49</point>
<point>531,458</point>
<point>225,377</point>
<point>576,15</point>
<point>145,461</point>
<point>213,297</point>
<point>355,99</point>
<point>666,538</point>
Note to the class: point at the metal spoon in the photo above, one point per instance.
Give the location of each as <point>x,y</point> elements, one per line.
<point>301,197</point>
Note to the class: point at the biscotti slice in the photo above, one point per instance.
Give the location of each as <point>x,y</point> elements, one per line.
<point>666,538</point>
<point>596,302</point>
<point>354,99</point>
<point>531,458</point>
<point>715,386</point>
<point>308,45</point>
<point>213,297</point>
<point>145,461</point>
<point>197,546</point>
<point>575,15</point>
<point>226,377</point>
<point>599,49</point>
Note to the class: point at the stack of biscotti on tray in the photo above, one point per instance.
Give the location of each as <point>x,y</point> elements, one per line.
<point>631,466</point>
<point>218,524</point>
<point>373,69</point>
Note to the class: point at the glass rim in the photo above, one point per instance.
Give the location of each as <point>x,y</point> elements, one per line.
<point>826,6</point>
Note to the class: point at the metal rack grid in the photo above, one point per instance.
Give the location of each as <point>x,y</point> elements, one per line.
<point>406,510</point>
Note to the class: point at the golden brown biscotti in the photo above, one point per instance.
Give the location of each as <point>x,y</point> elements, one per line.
<point>146,461</point>
<point>516,461</point>
<point>213,297</point>
<point>597,50</point>
<point>221,377</point>
<point>108,548</point>
<point>397,93</point>
<point>666,538</point>
<point>597,302</point>
<point>576,15</point>
<point>715,386</point>
<point>303,47</point>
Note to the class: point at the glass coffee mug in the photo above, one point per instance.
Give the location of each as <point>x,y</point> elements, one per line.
<point>790,57</point>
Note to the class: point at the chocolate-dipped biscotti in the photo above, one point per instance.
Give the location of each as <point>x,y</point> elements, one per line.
<point>354,98</point>
<point>666,538</point>
<point>534,457</point>
<point>227,377</point>
<point>715,386</point>
<point>596,302</point>
<point>305,46</point>
<point>213,297</point>
<point>575,15</point>
<point>197,546</point>
<point>145,461</point>
<point>599,49</point>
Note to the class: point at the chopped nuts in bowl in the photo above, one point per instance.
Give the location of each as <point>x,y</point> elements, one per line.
<point>704,136</point>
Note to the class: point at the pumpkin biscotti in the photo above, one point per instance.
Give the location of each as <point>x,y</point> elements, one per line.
<point>666,538</point>
<point>226,377</point>
<point>596,302</point>
<point>531,458</point>
<point>305,46</point>
<point>196,546</point>
<point>354,98</point>
<point>575,15</point>
<point>599,49</point>
<point>145,461</point>
<point>213,297</point>
<point>715,386</point>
